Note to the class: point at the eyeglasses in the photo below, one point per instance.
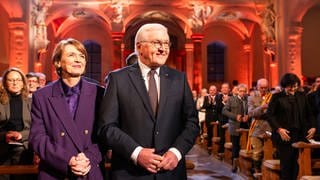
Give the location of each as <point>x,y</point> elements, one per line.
<point>158,44</point>
<point>11,81</point>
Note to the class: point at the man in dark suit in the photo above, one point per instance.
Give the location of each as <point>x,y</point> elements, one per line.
<point>149,135</point>
<point>63,115</point>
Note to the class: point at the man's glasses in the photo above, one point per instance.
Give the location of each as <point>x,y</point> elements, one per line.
<point>11,81</point>
<point>158,44</point>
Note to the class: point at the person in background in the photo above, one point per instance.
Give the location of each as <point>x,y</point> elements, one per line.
<point>15,120</point>
<point>291,120</point>
<point>314,100</point>
<point>33,82</point>
<point>210,105</point>
<point>42,79</point>
<point>201,112</point>
<point>148,116</point>
<point>236,109</point>
<point>63,115</point>
<point>257,109</point>
<point>222,99</point>
<point>131,59</point>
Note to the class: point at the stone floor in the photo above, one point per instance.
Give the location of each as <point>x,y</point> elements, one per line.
<point>209,168</point>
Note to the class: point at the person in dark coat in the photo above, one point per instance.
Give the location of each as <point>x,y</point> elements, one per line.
<point>63,115</point>
<point>148,116</point>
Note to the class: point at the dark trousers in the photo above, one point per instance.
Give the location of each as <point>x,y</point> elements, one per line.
<point>289,167</point>
<point>235,146</point>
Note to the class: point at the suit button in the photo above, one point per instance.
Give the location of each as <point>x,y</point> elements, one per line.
<point>157,132</point>
<point>62,134</point>
<point>86,131</point>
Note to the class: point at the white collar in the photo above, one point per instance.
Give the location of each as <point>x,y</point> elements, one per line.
<point>145,69</point>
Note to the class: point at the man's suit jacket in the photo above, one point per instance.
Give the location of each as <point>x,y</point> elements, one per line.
<point>56,137</point>
<point>211,109</point>
<point>259,114</point>
<point>232,108</point>
<point>127,120</point>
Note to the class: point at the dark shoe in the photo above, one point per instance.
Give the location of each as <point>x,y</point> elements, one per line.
<point>235,165</point>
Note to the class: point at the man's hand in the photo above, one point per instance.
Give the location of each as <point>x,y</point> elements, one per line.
<point>149,160</point>
<point>13,136</point>
<point>284,134</point>
<point>80,164</point>
<point>245,118</point>
<point>169,162</point>
<point>311,133</point>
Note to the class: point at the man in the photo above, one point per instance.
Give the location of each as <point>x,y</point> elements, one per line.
<point>63,115</point>
<point>33,82</point>
<point>257,108</point>
<point>210,105</point>
<point>149,135</point>
<point>222,99</point>
<point>314,99</point>
<point>42,79</point>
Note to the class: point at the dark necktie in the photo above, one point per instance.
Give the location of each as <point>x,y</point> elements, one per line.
<point>153,93</point>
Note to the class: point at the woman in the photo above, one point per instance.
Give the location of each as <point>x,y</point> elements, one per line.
<point>236,109</point>
<point>63,115</point>
<point>291,120</point>
<point>15,118</point>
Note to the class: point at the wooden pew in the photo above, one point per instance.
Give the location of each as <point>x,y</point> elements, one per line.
<point>271,169</point>
<point>305,162</point>
<point>215,138</point>
<point>18,169</point>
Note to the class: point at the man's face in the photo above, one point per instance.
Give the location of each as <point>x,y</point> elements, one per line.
<point>33,84</point>
<point>72,62</point>
<point>263,87</point>
<point>317,82</point>
<point>154,48</point>
<point>212,90</point>
<point>225,89</point>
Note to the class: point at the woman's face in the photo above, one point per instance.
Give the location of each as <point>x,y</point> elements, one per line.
<point>14,82</point>
<point>73,62</point>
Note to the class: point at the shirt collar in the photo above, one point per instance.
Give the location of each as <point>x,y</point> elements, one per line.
<point>145,69</point>
<point>68,91</point>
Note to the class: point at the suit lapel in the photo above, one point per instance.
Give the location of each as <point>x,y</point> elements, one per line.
<point>86,100</point>
<point>165,82</point>
<point>59,105</point>
<point>138,82</point>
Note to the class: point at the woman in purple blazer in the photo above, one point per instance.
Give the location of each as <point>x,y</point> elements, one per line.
<point>63,115</point>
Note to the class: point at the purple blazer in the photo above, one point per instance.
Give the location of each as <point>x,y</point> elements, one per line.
<point>56,137</point>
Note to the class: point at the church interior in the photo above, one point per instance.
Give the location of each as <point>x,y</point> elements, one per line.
<point>213,41</point>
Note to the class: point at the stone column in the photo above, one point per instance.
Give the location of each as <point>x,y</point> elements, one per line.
<point>117,50</point>
<point>197,71</point>
<point>189,63</point>
<point>294,50</point>
<point>18,44</point>
<point>247,48</point>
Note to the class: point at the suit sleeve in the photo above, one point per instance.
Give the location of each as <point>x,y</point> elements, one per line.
<point>49,152</point>
<point>108,124</point>
<point>187,138</point>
